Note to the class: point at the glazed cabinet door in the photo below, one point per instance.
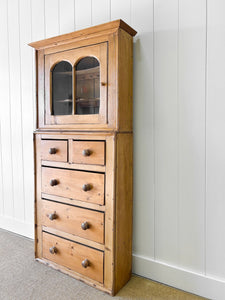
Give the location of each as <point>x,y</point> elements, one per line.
<point>76,86</point>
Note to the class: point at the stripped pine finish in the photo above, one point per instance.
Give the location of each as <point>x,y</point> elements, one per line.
<point>84,162</point>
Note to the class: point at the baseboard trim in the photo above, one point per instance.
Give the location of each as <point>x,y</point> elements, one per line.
<point>195,283</point>
<point>16,226</point>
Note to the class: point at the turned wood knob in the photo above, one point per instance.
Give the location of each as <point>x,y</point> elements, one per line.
<point>86,152</point>
<point>52,151</point>
<point>53,250</point>
<point>53,182</point>
<point>52,216</point>
<point>86,187</point>
<point>85,225</point>
<point>103,83</point>
<point>85,263</point>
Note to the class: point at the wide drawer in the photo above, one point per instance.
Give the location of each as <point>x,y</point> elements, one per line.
<point>79,258</point>
<point>79,185</point>
<point>88,152</point>
<point>54,150</point>
<point>83,222</point>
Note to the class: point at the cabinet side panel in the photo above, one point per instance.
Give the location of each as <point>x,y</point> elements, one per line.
<point>125,81</point>
<point>40,88</point>
<point>124,208</point>
<point>38,230</point>
<point>109,213</point>
<point>112,80</point>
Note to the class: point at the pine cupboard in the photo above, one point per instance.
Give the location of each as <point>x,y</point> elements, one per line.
<point>83,154</point>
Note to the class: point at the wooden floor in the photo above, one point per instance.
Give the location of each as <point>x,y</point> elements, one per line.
<point>22,278</point>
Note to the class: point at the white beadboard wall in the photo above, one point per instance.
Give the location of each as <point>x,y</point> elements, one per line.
<point>179,128</point>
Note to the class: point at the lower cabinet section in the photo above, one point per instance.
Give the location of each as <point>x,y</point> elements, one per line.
<point>79,258</point>
<point>83,206</point>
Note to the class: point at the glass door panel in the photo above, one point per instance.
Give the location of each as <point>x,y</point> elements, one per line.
<point>87,86</point>
<point>62,89</point>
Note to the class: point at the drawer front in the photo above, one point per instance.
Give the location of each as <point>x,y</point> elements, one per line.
<point>54,150</point>
<point>71,255</point>
<point>83,222</point>
<point>79,185</point>
<point>88,152</point>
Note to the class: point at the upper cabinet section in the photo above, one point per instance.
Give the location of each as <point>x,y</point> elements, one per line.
<point>84,79</point>
<point>76,87</point>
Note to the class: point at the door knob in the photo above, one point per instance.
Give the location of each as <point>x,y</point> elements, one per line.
<point>86,187</point>
<point>85,263</point>
<point>52,216</point>
<point>85,225</point>
<point>52,151</point>
<point>53,182</point>
<point>53,250</point>
<point>86,152</point>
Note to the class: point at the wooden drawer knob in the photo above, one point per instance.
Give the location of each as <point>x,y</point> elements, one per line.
<point>52,151</point>
<point>86,152</point>
<point>86,187</point>
<point>53,182</point>
<point>85,225</point>
<point>52,216</point>
<point>85,263</point>
<point>53,250</point>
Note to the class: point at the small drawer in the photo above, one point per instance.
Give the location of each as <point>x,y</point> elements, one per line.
<point>79,258</point>
<point>78,185</point>
<point>88,152</point>
<point>83,222</point>
<point>54,150</point>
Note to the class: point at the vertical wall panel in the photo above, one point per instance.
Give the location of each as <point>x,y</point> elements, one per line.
<point>83,14</point>
<point>166,130</point>
<point>16,113</point>
<point>66,16</point>
<point>37,33</point>
<point>121,10</point>
<point>142,21</point>
<point>27,106</point>
<point>191,93</point>
<point>38,19</point>
<point>7,200</point>
<point>215,126</point>
<point>51,18</point>
<point>100,11</point>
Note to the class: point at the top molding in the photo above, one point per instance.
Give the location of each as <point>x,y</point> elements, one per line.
<point>66,38</point>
